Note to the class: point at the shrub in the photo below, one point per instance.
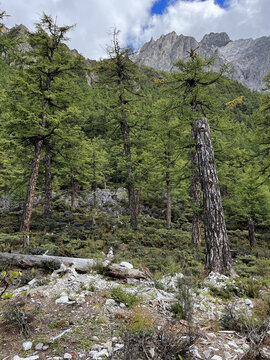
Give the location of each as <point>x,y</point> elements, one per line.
<point>16,317</point>
<point>128,298</point>
<point>141,321</point>
<point>27,276</point>
<point>253,328</point>
<point>250,287</point>
<point>185,300</point>
<point>163,343</point>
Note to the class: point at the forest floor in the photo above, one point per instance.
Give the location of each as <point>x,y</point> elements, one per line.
<point>183,312</point>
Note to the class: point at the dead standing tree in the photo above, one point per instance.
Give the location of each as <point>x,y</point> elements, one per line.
<point>218,256</point>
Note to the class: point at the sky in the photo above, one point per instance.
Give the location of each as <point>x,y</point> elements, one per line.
<point>139,20</point>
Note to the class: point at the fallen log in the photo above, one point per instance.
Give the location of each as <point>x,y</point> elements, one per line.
<point>122,272</point>
<point>79,264</point>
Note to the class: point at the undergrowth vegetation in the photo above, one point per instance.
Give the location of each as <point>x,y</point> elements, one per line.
<point>84,233</point>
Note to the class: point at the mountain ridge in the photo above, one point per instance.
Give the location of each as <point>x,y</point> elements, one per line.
<point>249,59</point>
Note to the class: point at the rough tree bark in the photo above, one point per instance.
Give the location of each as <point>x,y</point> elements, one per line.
<point>138,198</point>
<point>196,199</point>
<point>218,256</point>
<point>28,204</point>
<point>251,232</point>
<point>48,184</point>
<point>29,201</point>
<point>129,167</point>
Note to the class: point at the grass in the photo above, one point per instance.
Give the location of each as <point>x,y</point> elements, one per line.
<point>151,245</point>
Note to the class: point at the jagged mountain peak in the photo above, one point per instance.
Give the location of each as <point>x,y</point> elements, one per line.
<point>248,58</point>
<point>216,39</point>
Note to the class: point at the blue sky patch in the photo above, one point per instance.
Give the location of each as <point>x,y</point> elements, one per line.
<point>160,5</point>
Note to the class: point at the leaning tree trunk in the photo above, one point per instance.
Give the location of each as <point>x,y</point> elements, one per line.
<point>130,172</point>
<point>29,201</point>
<point>196,200</point>
<point>218,256</point>
<point>251,232</point>
<point>48,184</point>
<point>28,205</point>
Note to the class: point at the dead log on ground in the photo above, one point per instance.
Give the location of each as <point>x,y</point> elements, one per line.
<point>80,265</point>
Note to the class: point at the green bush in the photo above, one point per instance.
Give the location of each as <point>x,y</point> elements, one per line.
<point>128,298</point>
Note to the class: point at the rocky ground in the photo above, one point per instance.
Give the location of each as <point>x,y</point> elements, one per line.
<point>67,315</point>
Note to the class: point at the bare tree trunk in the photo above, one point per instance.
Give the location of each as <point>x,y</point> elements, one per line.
<point>28,205</point>
<point>29,201</point>
<point>138,198</point>
<point>196,200</point>
<point>48,184</point>
<point>130,179</point>
<point>251,233</point>
<point>218,256</point>
<point>94,183</point>
<point>169,201</point>
<point>74,194</point>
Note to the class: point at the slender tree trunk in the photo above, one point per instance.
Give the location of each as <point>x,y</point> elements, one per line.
<point>94,182</point>
<point>251,233</point>
<point>218,256</point>
<point>169,201</point>
<point>196,200</point>
<point>29,201</point>
<point>130,178</point>
<point>138,198</point>
<point>28,205</point>
<point>74,194</point>
<point>48,184</point>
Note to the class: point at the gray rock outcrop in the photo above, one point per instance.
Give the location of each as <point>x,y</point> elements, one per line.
<point>249,59</point>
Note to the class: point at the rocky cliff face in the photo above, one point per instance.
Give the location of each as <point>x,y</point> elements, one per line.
<point>249,59</point>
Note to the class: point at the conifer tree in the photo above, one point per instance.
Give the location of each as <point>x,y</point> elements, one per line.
<point>39,96</point>
<point>119,75</point>
<point>190,85</point>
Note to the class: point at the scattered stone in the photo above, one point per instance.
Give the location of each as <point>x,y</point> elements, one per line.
<point>39,346</point>
<point>207,353</point>
<point>27,345</point>
<point>227,355</point>
<point>122,305</point>
<point>110,254</point>
<point>126,264</point>
<point>45,347</point>
<point>94,338</point>
<point>249,303</point>
<point>194,351</point>
<point>216,357</point>
<point>118,347</point>
<point>151,352</point>
<point>232,343</point>
<point>67,356</point>
<point>103,352</point>
<point>110,302</point>
<point>170,282</point>
<point>64,299</point>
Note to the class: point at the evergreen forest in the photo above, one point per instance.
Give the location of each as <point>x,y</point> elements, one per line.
<point>73,129</point>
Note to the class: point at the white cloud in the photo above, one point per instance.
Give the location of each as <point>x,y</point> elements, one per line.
<point>241,19</point>
<point>96,19</point>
